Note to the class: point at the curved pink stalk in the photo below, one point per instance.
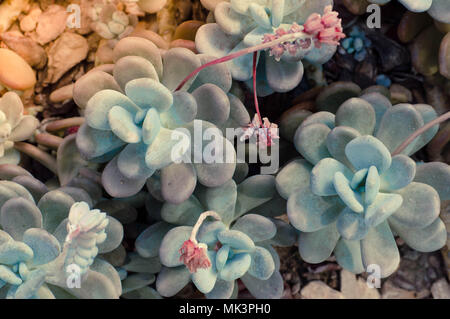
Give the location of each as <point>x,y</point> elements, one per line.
<point>255,95</point>
<point>192,253</point>
<point>420,131</point>
<point>267,45</point>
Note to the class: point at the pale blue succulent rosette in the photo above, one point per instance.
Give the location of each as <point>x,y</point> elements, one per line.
<point>438,9</point>
<point>14,127</point>
<point>243,23</point>
<point>34,251</point>
<point>134,115</point>
<point>351,197</point>
<point>239,245</point>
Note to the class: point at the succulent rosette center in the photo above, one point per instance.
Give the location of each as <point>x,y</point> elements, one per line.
<point>349,195</point>
<point>363,188</point>
<point>240,24</point>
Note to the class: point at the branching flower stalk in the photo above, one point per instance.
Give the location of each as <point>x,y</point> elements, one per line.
<point>193,254</point>
<point>290,37</point>
<point>317,30</point>
<point>326,29</point>
<point>420,131</point>
<point>260,127</point>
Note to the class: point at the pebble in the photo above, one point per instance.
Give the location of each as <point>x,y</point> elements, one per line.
<point>62,94</point>
<point>319,290</point>
<point>29,22</point>
<point>389,291</point>
<point>26,47</point>
<point>51,23</point>
<point>354,288</point>
<point>400,94</point>
<point>152,6</point>
<point>66,52</point>
<point>15,73</point>
<point>9,11</point>
<point>441,289</point>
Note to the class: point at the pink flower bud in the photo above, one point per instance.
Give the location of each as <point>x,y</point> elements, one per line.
<point>194,256</point>
<point>326,29</point>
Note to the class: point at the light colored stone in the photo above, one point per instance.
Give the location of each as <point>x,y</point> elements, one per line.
<point>29,22</point>
<point>389,291</point>
<point>62,94</point>
<point>152,6</point>
<point>10,11</point>
<point>319,290</point>
<point>15,73</point>
<point>51,23</point>
<point>353,288</point>
<point>66,52</point>
<point>441,289</point>
<point>211,4</point>
<point>26,47</point>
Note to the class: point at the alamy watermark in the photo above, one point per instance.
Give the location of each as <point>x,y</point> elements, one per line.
<point>74,276</point>
<point>374,278</point>
<point>207,145</point>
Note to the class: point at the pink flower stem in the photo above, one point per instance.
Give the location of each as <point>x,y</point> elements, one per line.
<point>263,46</point>
<point>255,95</point>
<point>420,131</point>
<point>199,223</point>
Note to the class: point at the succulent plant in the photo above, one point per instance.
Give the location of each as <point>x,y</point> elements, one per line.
<point>135,119</point>
<point>356,44</point>
<point>329,99</point>
<point>215,253</point>
<point>47,236</point>
<point>245,23</point>
<point>350,196</point>
<point>137,272</point>
<point>111,23</point>
<point>14,127</point>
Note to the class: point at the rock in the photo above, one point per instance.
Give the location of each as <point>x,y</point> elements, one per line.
<point>210,4</point>
<point>62,94</point>
<point>357,7</point>
<point>141,32</point>
<point>411,25</point>
<point>9,11</point>
<point>15,73</point>
<point>391,54</point>
<point>29,22</point>
<point>181,43</point>
<point>354,288</point>
<point>187,30</point>
<point>134,9</point>
<point>66,52</point>
<point>152,6</point>
<point>319,290</point>
<point>400,94</point>
<point>444,56</point>
<point>425,51</point>
<point>441,289</point>
<point>51,23</point>
<point>26,47</point>
<point>390,291</point>
<point>104,54</point>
